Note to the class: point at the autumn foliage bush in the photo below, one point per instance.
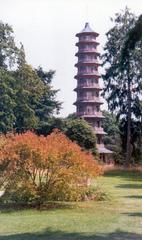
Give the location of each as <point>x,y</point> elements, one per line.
<point>38,169</point>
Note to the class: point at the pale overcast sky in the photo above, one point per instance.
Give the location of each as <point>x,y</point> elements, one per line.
<point>47,29</point>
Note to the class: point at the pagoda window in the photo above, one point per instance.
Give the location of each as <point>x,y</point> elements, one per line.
<point>80,94</point>
<point>98,124</point>
<point>82,68</point>
<point>92,94</point>
<point>93,109</point>
<point>87,82</point>
<point>99,140</point>
<point>97,108</point>
<point>81,59</point>
<point>89,110</point>
<point>96,94</point>
<point>80,109</point>
<point>92,81</point>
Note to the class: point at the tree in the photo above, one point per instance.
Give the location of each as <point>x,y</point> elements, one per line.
<point>132,38</point>
<point>80,131</point>
<point>112,139</point>
<point>7,101</point>
<point>28,99</point>
<point>8,48</point>
<point>47,105</point>
<point>35,99</point>
<point>122,86</point>
<point>44,168</point>
<point>77,130</point>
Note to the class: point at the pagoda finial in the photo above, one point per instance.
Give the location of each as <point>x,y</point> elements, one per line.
<point>87,24</point>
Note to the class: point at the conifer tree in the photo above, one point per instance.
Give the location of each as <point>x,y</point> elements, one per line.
<point>122,86</point>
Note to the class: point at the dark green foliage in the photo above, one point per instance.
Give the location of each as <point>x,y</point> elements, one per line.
<point>113,138</point>
<point>7,101</point>
<point>110,123</point>
<point>27,98</point>
<point>77,130</point>
<point>133,36</point>
<point>50,125</point>
<point>71,116</point>
<point>80,131</point>
<point>8,49</point>
<point>46,77</point>
<point>123,85</point>
<point>136,139</point>
<point>116,89</point>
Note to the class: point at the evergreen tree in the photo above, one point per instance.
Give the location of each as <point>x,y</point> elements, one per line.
<point>122,86</point>
<point>8,48</point>
<point>27,98</point>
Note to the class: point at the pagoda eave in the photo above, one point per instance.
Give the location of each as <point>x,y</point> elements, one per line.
<point>101,132</point>
<point>87,63</point>
<point>84,77</point>
<point>86,41</point>
<point>101,149</point>
<point>91,116</point>
<point>88,33</point>
<point>77,103</point>
<point>88,52</point>
<point>80,75</point>
<point>87,87</point>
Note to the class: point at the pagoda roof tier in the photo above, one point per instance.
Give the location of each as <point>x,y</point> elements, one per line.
<point>97,116</point>
<point>82,42</point>
<point>99,131</point>
<point>80,63</point>
<point>87,29</point>
<point>102,149</point>
<point>78,102</point>
<point>79,75</point>
<point>95,87</point>
<point>88,51</point>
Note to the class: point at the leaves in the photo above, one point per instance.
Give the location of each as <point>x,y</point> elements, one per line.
<point>45,164</point>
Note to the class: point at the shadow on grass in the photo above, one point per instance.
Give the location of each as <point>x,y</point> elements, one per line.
<point>131,186</point>
<point>134,214</point>
<point>58,235</point>
<point>7,208</point>
<point>134,196</point>
<point>131,175</point>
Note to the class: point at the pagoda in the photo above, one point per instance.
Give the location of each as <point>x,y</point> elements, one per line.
<point>88,88</point>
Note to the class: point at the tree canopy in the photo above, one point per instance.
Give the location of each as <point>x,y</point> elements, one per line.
<point>27,97</point>
<point>123,86</point>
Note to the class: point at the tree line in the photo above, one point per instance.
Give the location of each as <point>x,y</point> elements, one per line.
<point>28,100</point>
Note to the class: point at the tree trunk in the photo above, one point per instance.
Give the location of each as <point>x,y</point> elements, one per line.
<point>128,146</point>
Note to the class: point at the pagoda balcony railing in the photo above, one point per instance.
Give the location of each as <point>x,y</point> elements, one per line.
<point>89,98</point>
<point>86,60</point>
<point>99,129</point>
<point>87,38</point>
<point>87,49</point>
<point>88,72</point>
<point>93,85</point>
<point>91,113</point>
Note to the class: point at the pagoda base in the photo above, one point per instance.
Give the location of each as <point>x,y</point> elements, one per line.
<point>105,154</point>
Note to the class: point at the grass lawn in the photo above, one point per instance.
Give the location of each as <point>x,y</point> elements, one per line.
<point>118,219</point>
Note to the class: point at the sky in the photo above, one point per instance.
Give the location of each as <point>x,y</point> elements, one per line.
<point>47,30</point>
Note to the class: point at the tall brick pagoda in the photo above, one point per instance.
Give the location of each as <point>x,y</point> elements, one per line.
<point>88,88</point>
